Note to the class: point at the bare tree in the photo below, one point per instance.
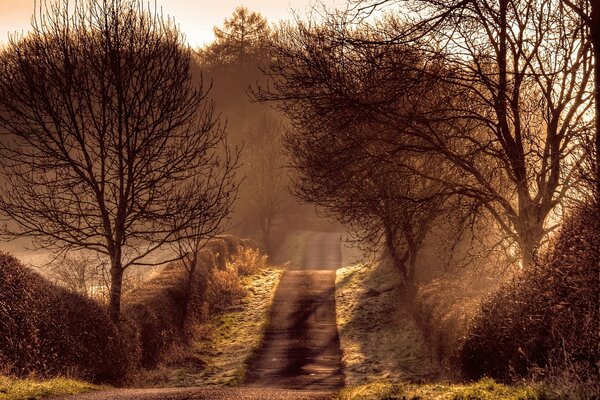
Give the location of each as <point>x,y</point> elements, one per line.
<point>500,95</point>
<point>84,273</point>
<point>347,159</point>
<point>589,12</point>
<point>108,144</point>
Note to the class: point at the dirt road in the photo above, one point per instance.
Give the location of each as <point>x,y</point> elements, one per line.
<point>300,356</point>
<point>204,394</point>
<point>301,348</point>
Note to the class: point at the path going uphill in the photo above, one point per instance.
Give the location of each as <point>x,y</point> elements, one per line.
<point>301,348</point>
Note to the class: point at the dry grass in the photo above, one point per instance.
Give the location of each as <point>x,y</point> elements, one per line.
<point>30,389</point>
<point>485,389</point>
<point>248,261</point>
<point>224,288</point>
<point>379,338</point>
<point>220,348</point>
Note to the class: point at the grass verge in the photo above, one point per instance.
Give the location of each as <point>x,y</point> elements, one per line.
<point>221,348</point>
<point>485,389</point>
<point>379,338</point>
<point>29,389</point>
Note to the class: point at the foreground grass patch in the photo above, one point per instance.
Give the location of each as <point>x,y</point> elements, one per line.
<point>27,389</point>
<point>485,389</point>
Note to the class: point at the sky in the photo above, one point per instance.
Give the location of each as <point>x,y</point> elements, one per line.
<point>196,18</point>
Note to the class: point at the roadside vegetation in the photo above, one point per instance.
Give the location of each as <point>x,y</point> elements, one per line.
<point>49,331</point>
<point>485,389</point>
<point>219,349</point>
<point>30,389</point>
<point>379,337</point>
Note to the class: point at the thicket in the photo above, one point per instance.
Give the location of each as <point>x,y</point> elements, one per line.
<point>545,321</point>
<point>445,308</point>
<point>46,330</point>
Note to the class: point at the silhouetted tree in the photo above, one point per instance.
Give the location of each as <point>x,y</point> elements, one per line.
<point>500,96</point>
<point>348,159</point>
<point>108,144</point>
<point>589,12</point>
<point>241,40</point>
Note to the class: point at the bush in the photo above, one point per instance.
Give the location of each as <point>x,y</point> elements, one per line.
<point>547,319</point>
<point>445,308</point>
<point>156,311</point>
<point>163,310</point>
<point>248,261</point>
<point>47,331</point>
<point>224,289</point>
<point>219,248</point>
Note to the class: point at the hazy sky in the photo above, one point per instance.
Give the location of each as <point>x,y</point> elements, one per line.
<point>195,17</point>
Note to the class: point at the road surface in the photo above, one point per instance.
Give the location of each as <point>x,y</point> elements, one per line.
<point>301,349</point>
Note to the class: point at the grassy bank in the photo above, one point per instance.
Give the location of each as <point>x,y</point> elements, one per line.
<point>485,389</point>
<point>220,348</point>
<point>379,338</point>
<point>29,389</point>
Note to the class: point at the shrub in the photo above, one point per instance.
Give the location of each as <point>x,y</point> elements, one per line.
<point>47,330</point>
<point>224,289</point>
<point>163,310</point>
<point>248,261</point>
<point>445,308</point>
<point>233,243</point>
<point>220,250</point>
<point>547,318</point>
<point>156,310</point>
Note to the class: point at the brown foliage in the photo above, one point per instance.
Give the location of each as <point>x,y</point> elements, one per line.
<point>47,330</point>
<point>548,318</point>
<point>248,261</point>
<point>155,311</point>
<point>161,312</point>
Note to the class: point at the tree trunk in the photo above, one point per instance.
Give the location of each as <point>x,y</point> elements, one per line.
<point>116,287</point>
<point>413,251</point>
<point>595,31</point>
<point>187,309</point>
<point>266,233</point>
<point>530,239</point>
<point>398,260</point>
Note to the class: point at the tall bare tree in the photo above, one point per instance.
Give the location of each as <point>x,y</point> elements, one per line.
<point>107,142</point>
<point>500,96</point>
